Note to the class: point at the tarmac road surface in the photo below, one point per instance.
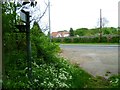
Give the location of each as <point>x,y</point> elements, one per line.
<point>98,60</point>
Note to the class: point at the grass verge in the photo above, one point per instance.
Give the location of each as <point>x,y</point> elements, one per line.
<point>90,43</point>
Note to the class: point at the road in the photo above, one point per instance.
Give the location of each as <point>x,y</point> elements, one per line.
<point>98,60</point>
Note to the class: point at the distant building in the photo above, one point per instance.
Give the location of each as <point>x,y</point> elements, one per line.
<point>60,34</point>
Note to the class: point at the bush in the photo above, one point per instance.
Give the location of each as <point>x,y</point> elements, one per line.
<point>76,40</point>
<point>87,39</point>
<point>95,40</point>
<point>114,81</point>
<point>57,40</point>
<point>115,39</point>
<point>58,74</point>
<point>42,46</point>
<point>48,69</point>
<point>104,39</point>
<point>67,40</point>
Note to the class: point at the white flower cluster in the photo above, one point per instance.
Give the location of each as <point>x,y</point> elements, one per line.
<point>52,75</point>
<point>116,81</point>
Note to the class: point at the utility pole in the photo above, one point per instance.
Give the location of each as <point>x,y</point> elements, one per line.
<point>100,40</point>
<point>49,20</point>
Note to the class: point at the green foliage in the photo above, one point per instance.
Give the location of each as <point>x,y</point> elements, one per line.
<point>8,17</point>
<point>85,35</point>
<point>71,32</point>
<point>81,31</point>
<point>43,48</point>
<point>58,74</point>
<point>104,39</point>
<point>109,30</point>
<point>95,31</point>
<point>67,40</point>
<point>115,81</point>
<point>76,40</point>
<point>114,39</point>
<point>88,39</point>
<point>15,70</point>
<point>49,70</point>
<point>14,41</point>
<point>56,40</point>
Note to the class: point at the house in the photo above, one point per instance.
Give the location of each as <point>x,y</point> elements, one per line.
<point>60,34</point>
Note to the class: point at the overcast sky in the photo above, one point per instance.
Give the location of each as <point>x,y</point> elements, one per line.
<point>82,13</point>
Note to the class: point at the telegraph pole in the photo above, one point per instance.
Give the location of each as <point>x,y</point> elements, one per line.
<point>49,20</point>
<point>100,26</point>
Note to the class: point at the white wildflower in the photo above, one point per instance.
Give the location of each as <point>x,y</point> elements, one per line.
<point>36,80</point>
<point>63,85</point>
<point>62,76</point>
<point>50,84</point>
<point>116,81</point>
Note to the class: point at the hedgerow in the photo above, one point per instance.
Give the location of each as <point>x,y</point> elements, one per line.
<point>87,39</point>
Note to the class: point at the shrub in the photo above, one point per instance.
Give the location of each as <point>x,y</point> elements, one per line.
<point>67,40</point>
<point>104,39</point>
<point>95,40</point>
<point>114,81</point>
<point>42,46</point>
<point>76,40</point>
<point>115,39</point>
<point>88,39</point>
<point>58,74</point>
<point>56,40</point>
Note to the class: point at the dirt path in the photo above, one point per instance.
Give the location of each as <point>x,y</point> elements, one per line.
<point>97,60</point>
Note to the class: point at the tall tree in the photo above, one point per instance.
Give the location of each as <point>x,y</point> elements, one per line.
<point>81,31</point>
<point>71,32</point>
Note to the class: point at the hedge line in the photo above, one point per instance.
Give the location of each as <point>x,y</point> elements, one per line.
<point>105,39</point>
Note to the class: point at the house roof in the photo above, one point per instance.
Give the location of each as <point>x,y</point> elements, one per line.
<point>54,34</point>
<point>60,33</point>
<point>63,33</point>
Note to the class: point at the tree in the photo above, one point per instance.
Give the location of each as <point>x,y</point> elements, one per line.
<point>110,30</point>
<point>71,32</point>
<point>14,59</point>
<point>94,31</point>
<point>81,31</point>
